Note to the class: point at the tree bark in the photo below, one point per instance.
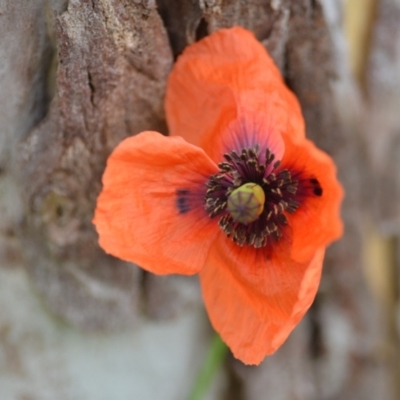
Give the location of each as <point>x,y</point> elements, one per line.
<point>81,75</point>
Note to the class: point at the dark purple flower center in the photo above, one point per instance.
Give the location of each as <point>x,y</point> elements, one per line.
<point>279,186</point>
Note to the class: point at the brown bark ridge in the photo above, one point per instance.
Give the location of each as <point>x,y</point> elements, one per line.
<point>110,61</point>
<point>113,59</point>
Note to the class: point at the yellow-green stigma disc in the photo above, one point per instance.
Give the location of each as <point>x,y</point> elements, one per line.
<point>246,203</point>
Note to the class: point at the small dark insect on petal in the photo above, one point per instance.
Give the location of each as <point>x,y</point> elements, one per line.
<point>317,189</point>
<point>182,201</point>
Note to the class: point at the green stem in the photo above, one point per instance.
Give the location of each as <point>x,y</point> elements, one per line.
<point>215,357</point>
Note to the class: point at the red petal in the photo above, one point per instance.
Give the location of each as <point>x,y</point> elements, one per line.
<point>225,79</point>
<point>253,301</point>
<point>317,221</point>
<point>151,210</point>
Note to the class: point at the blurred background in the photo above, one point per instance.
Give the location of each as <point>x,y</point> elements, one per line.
<point>78,76</point>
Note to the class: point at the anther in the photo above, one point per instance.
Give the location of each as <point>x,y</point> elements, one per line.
<point>227,157</point>
<point>252,206</point>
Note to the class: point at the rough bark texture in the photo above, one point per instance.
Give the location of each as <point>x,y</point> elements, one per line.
<point>112,62</point>
<point>383,120</point>
<point>90,73</point>
<point>382,126</point>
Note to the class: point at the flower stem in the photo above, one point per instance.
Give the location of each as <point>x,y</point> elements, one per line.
<point>215,357</point>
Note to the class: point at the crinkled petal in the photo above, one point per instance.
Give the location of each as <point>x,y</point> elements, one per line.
<point>151,209</point>
<point>254,300</point>
<point>225,80</point>
<point>317,221</point>
<point>253,125</point>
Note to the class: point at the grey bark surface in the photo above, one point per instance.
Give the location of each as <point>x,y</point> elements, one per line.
<point>382,127</point>
<point>382,120</point>
<point>79,76</point>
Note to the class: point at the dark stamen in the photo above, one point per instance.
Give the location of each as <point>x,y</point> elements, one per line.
<point>279,187</point>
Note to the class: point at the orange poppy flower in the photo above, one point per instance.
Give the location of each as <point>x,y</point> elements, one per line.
<point>236,194</point>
